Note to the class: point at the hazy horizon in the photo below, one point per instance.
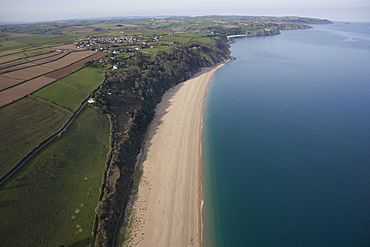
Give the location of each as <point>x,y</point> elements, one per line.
<point>17,11</point>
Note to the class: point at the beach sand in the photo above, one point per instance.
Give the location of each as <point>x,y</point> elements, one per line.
<point>166,211</point>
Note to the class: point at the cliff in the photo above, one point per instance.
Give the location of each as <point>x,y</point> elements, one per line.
<point>130,97</point>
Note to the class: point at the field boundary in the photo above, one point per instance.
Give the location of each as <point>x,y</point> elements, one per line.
<point>39,147</point>
<point>51,102</point>
<point>41,65</point>
<point>32,63</point>
<point>45,75</point>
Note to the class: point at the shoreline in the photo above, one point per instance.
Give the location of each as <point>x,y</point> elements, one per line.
<point>200,201</point>
<point>167,208</point>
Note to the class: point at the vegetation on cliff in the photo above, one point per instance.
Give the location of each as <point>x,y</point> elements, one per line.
<point>131,93</point>
<point>130,96</point>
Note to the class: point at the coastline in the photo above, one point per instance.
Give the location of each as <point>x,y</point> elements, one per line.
<point>236,35</point>
<point>167,208</point>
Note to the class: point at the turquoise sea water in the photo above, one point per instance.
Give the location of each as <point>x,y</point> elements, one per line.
<point>286,141</point>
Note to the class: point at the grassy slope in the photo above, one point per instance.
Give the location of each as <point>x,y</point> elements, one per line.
<point>64,178</point>
<point>24,124</point>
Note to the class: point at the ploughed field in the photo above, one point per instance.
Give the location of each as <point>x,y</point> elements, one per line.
<point>26,77</point>
<point>30,62</point>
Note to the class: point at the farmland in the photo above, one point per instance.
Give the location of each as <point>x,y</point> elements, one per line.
<point>67,60</point>
<point>14,93</point>
<point>11,82</point>
<point>60,187</point>
<point>11,57</point>
<point>70,91</point>
<point>6,82</point>
<point>87,78</point>
<point>24,124</point>
<point>63,95</point>
<point>57,74</point>
<point>28,73</point>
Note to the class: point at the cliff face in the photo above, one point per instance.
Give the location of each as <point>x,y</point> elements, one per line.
<point>262,33</point>
<point>130,97</point>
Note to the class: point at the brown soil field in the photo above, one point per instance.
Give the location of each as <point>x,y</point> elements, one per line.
<point>7,82</point>
<point>33,63</point>
<point>67,60</point>
<point>67,47</point>
<point>13,63</point>
<point>56,57</point>
<point>17,92</point>
<point>60,73</point>
<point>37,57</point>
<point>16,67</point>
<point>28,72</point>
<point>11,57</point>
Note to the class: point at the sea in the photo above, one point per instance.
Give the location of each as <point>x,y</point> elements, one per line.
<point>286,141</point>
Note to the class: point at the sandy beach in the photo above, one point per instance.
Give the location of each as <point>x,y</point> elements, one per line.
<point>166,211</point>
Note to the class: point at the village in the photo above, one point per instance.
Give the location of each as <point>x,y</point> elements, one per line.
<point>116,44</point>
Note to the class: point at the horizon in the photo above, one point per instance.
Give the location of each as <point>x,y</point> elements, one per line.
<point>36,11</point>
<point>337,19</point>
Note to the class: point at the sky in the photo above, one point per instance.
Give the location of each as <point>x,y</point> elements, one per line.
<point>50,10</point>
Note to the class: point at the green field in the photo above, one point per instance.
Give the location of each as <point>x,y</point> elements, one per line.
<point>51,39</point>
<point>87,78</point>
<point>51,201</point>
<point>25,124</point>
<point>175,39</point>
<point>63,95</point>
<point>73,89</point>
<point>11,58</point>
<point>7,52</point>
<point>206,40</point>
<point>155,49</point>
<point>10,44</point>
